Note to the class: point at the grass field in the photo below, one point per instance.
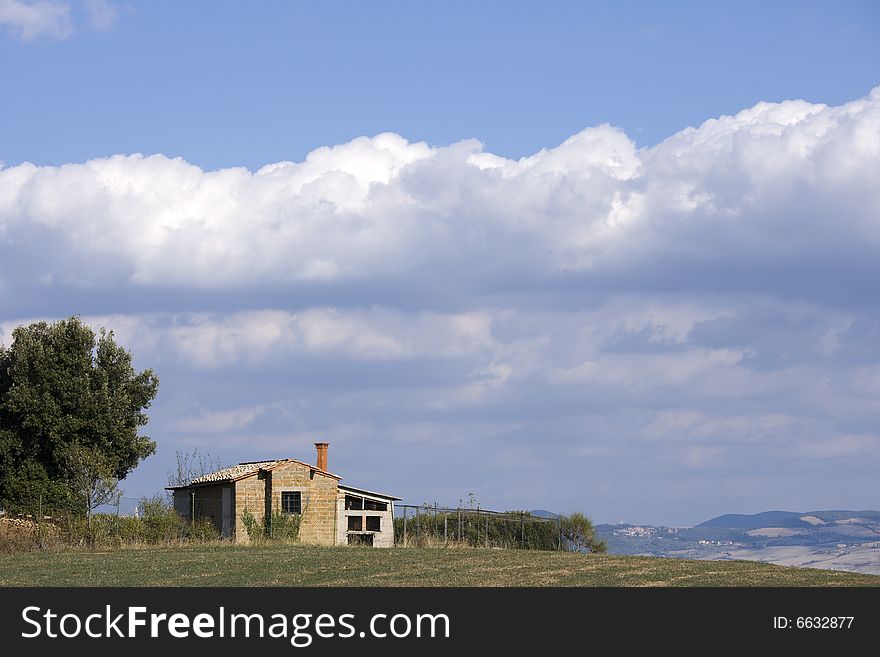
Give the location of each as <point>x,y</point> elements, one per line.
<point>301,565</point>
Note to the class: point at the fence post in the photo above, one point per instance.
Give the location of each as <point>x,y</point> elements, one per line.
<point>445,529</point>
<point>477,539</point>
<point>522,529</point>
<point>487,532</point>
<point>404,525</point>
<point>459,524</point>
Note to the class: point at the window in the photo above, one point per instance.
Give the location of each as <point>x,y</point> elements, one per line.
<point>360,539</point>
<point>291,501</point>
<point>355,503</point>
<point>355,523</point>
<point>374,523</point>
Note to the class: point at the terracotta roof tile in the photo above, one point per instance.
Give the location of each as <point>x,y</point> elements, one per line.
<point>235,472</point>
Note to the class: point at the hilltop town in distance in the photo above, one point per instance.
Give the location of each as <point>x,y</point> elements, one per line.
<point>836,540</point>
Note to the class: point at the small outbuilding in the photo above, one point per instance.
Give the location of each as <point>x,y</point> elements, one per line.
<point>330,513</point>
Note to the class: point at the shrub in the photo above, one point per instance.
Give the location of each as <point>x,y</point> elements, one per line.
<point>469,527</point>
<point>253,526</point>
<point>281,526</point>
<point>202,531</point>
<point>161,523</point>
<point>157,523</point>
<point>284,526</point>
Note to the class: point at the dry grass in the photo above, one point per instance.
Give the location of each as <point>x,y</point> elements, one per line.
<point>23,534</point>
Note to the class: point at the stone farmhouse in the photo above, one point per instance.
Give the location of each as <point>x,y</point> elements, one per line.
<point>331,513</point>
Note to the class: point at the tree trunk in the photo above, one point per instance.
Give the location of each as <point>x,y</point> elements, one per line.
<point>90,538</point>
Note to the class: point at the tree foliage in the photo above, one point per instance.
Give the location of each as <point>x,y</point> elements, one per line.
<point>579,535</point>
<point>60,386</point>
<point>91,478</point>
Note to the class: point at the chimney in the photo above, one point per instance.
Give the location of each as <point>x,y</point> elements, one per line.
<point>322,455</point>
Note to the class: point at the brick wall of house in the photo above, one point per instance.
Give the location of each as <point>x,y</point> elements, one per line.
<point>318,525</point>
<point>250,494</point>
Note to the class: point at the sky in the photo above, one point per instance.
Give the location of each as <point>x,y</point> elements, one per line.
<point>617,258</point>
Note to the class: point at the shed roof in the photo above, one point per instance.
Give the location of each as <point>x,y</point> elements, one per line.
<point>243,470</point>
<point>368,493</point>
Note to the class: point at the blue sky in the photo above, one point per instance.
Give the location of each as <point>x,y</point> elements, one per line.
<point>227,84</point>
<point>609,257</point>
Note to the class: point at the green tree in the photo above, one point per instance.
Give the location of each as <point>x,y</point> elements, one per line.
<point>61,385</point>
<point>579,535</point>
<point>91,478</point>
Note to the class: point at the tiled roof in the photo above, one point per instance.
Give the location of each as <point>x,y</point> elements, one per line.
<point>235,472</point>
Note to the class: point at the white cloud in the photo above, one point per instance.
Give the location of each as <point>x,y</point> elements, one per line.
<point>257,338</point>
<point>839,446</point>
<point>219,422</point>
<point>31,20</point>
<point>789,184</point>
<point>102,14</point>
<point>690,425</point>
<point>375,335</point>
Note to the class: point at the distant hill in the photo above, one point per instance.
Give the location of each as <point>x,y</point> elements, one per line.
<point>834,539</point>
<point>784,519</point>
<point>754,521</point>
<point>543,513</point>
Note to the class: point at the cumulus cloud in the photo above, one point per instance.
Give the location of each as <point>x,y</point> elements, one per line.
<point>42,18</point>
<point>756,201</point>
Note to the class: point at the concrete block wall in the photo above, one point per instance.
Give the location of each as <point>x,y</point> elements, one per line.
<point>382,538</point>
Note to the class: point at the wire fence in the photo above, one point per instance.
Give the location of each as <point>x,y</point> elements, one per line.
<point>31,523</point>
<point>427,526</point>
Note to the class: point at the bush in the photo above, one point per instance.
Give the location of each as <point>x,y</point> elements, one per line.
<point>513,529</point>
<point>281,526</point>
<point>202,531</point>
<point>579,535</point>
<point>253,526</point>
<point>158,524</point>
<point>284,526</point>
<point>161,523</point>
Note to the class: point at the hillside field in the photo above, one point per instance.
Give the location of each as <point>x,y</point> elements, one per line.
<point>301,565</point>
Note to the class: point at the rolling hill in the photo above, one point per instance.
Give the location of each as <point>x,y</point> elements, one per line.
<point>833,539</point>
